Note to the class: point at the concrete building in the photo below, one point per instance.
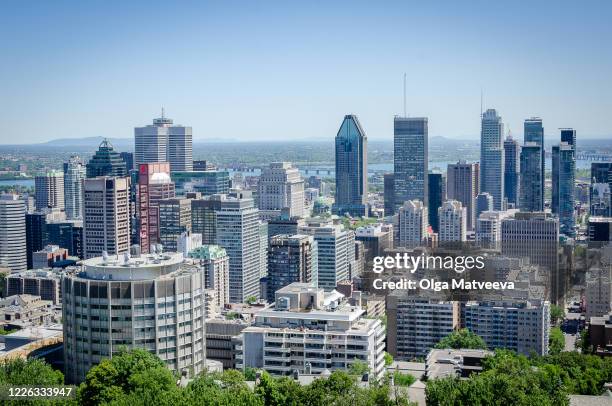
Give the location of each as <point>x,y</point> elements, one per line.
<point>512,170</point>
<point>25,311</point>
<point>351,169</point>
<point>412,224</point>
<point>174,220</point>
<point>484,202</point>
<point>106,216</point>
<point>215,263</point>
<point>454,363</point>
<point>42,282</point>
<point>488,228</point>
<point>462,185</point>
<point>492,157</point>
<point>221,336</point>
<point>49,257</point>
<point>13,233</point>
<point>335,251</point>
<point>453,222</point>
<point>154,185</point>
<point>518,326</point>
<point>280,186</point>
<point>376,238</point>
<point>311,331</point>
<point>284,224</point>
<point>49,190</point>
<point>531,198</point>
<point>416,324</point>
<point>74,173</point>
<point>154,302</point>
<point>291,258</point>
<point>164,142</point>
<point>598,293</point>
<point>410,159</point>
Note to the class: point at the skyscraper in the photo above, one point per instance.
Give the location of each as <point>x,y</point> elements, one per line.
<point>484,202</point>
<point>49,190</point>
<point>462,185</point>
<point>351,169</point>
<point>389,193</point>
<point>106,216</point>
<point>74,173</point>
<point>600,188</point>
<point>492,157</point>
<point>238,231</point>
<point>154,185</point>
<point>437,194</point>
<point>531,198</point>
<point>106,162</point>
<point>12,233</point>
<point>174,220</point>
<point>128,158</point>
<point>412,220</point>
<point>291,258</point>
<point>511,171</point>
<point>164,142</point>
<point>204,217</point>
<point>533,131</point>
<point>563,192</point>
<point>452,222</point>
<point>280,186</point>
<point>410,159</point>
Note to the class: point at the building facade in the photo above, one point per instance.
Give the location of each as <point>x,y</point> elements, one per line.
<point>492,157</point>
<point>462,185</point>
<point>280,186</point>
<point>410,159</point>
<point>13,233</point>
<point>74,173</point>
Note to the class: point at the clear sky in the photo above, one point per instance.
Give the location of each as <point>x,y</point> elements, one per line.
<point>263,70</point>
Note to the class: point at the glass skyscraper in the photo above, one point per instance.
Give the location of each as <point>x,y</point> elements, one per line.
<point>351,169</point>
<point>533,131</point>
<point>531,178</point>
<point>563,181</point>
<point>437,194</point>
<point>492,157</point>
<point>511,171</point>
<point>410,159</point>
<point>106,162</point>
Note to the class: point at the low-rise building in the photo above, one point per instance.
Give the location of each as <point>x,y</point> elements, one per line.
<point>45,283</point>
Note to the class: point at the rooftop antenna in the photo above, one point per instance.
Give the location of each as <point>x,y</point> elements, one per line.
<point>163,111</point>
<point>404,94</point>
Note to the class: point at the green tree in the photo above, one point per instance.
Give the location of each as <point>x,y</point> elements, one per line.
<point>557,313</point>
<point>463,338</point>
<point>251,299</point>
<point>388,359</point>
<point>358,368</point>
<point>401,379</point>
<point>31,372</point>
<point>556,341</point>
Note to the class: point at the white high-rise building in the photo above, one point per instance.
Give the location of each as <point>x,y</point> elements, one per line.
<point>412,224</point>
<point>488,227</point>
<point>74,173</point>
<point>164,142</point>
<point>238,231</point>
<point>492,157</point>
<point>280,186</point>
<point>453,221</point>
<point>311,331</point>
<point>12,233</point>
<point>49,190</point>
<point>336,251</point>
<point>106,216</point>
<point>214,261</point>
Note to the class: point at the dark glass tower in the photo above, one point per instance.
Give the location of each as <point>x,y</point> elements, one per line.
<point>437,194</point>
<point>531,178</point>
<point>389,193</point>
<point>533,131</point>
<point>351,169</point>
<point>106,162</point>
<point>563,181</point>
<point>410,159</point>
<point>511,171</point>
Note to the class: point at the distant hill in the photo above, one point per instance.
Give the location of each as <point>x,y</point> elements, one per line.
<point>92,142</point>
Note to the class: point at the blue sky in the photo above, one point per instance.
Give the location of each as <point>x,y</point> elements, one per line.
<point>263,70</point>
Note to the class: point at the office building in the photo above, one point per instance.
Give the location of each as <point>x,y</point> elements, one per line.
<point>598,292</point>
<point>238,232</point>
<point>204,217</point>
<point>412,224</point>
<point>488,228</point>
<point>174,220</point>
<point>311,331</point>
<point>533,131</point>
<point>416,324</point>
<point>512,169</point>
<point>106,162</point>
<point>206,183</point>
<point>484,202</point>
<point>12,233</point>
<point>376,238</point>
<point>389,193</point>
<point>37,233</point>
<point>437,195</point>
<point>74,173</point>
<point>154,185</point>
<point>522,327</point>
<point>531,198</point>
<point>462,185</point>
<point>49,190</point>
<point>41,282</point>
<point>128,158</point>
<point>492,157</point>
<point>164,142</point>
<point>154,302</point>
<point>64,233</point>
<point>599,231</point>
<point>106,216</point>
<point>410,159</point>
<point>563,190</point>
<point>453,224</point>
<point>351,169</point>
<point>291,258</point>
<point>51,256</point>
<point>284,224</point>
<point>215,263</point>
<point>335,251</point>
<point>280,186</point>
<point>599,192</point>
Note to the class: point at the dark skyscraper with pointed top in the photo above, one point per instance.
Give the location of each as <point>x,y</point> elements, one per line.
<point>106,162</point>
<point>351,169</point>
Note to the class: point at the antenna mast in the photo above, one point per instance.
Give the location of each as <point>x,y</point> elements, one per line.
<point>404,94</point>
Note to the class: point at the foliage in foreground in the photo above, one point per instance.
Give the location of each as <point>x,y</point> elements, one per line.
<point>463,338</point>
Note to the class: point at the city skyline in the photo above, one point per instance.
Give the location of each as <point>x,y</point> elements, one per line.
<point>269,63</point>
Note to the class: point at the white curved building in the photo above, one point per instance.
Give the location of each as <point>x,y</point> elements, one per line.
<point>155,302</point>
